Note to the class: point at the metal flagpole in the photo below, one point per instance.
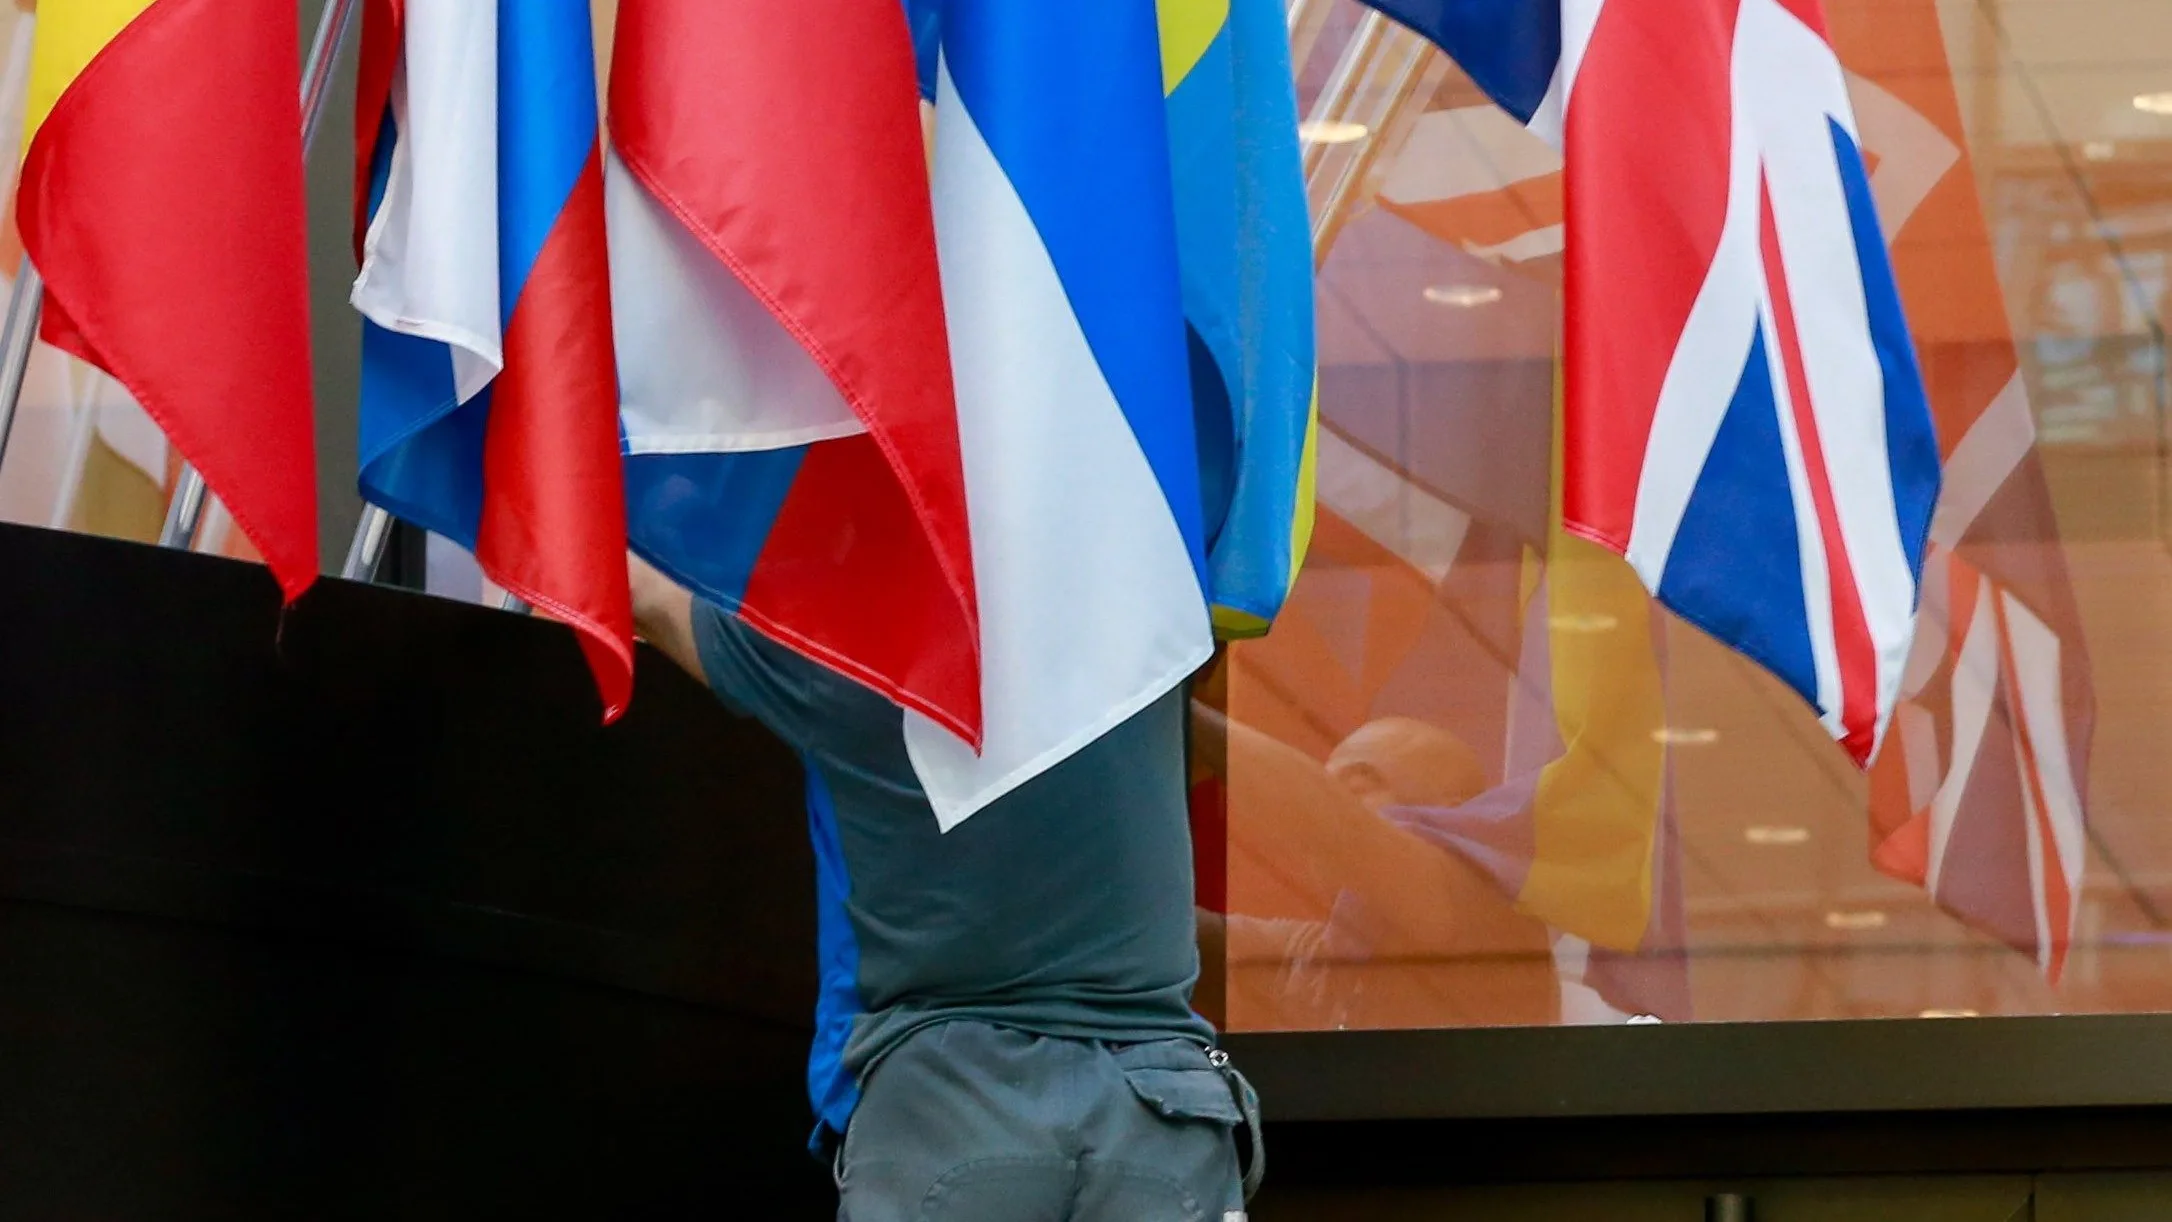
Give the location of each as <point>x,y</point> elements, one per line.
<point>25,305</point>
<point>186,510</point>
<point>1308,19</point>
<point>368,545</point>
<point>1380,82</point>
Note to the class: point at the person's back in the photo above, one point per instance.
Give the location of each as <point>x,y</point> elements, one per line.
<point>1012,998</point>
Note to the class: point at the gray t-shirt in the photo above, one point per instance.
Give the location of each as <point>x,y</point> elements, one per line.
<point>1063,909</point>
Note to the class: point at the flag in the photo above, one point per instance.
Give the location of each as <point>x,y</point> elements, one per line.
<point>489,390</point>
<point>1981,794</point>
<point>1985,782</point>
<point>1245,248</point>
<point>161,197</point>
<point>790,430</point>
<point>1745,419</point>
<point>1054,220</point>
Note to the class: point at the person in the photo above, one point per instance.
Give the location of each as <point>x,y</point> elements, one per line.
<point>1341,915</point>
<point>1005,1028</point>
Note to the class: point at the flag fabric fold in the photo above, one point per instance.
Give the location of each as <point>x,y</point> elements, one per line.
<point>161,197</point>
<point>1746,421</point>
<point>1055,225</point>
<point>791,438</point>
<point>1245,246</point>
<point>489,389</point>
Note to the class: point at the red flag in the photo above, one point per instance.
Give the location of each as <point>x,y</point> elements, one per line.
<point>161,197</point>
<point>792,432</point>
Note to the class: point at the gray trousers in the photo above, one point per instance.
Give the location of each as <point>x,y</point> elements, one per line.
<point>967,1122</point>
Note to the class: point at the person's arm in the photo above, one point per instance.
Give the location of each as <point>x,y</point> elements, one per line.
<point>664,615</point>
<point>810,707</point>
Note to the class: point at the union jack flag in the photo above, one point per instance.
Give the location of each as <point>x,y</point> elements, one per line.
<point>1745,420</point>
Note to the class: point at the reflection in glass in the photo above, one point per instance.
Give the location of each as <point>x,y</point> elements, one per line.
<point>1473,777</point>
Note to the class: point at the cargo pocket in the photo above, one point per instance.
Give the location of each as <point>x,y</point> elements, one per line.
<point>1183,1081</point>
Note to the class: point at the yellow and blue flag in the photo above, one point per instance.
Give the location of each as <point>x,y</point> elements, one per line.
<point>1245,249</point>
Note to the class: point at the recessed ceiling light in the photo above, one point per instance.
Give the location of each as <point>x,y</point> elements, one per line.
<point>1868,918</point>
<point>2099,150</point>
<point>1775,834</point>
<point>1331,131</point>
<point>1463,296</point>
<point>2154,103</point>
<point>1677,736</point>
<point>1947,1014</point>
<point>1585,623</point>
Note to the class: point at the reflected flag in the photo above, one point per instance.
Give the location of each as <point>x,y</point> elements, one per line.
<point>1981,794</point>
<point>1986,768</point>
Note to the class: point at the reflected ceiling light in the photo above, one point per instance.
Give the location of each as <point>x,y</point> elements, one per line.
<point>2099,150</point>
<point>1867,918</point>
<point>2154,103</point>
<point>1587,623</point>
<point>1678,736</point>
<point>1463,296</point>
<point>1774,834</point>
<point>1947,1014</point>
<point>1331,131</point>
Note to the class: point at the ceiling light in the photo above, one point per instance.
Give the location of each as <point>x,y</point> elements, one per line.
<point>2099,150</point>
<point>1947,1014</point>
<point>1331,131</point>
<point>1676,736</point>
<point>2154,103</point>
<point>1869,918</point>
<point>1463,296</point>
<point>1582,623</point>
<point>1770,834</point>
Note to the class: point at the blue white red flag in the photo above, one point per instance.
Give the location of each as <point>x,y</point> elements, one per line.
<point>1745,419</point>
<point>1055,222</point>
<point>489,392</point>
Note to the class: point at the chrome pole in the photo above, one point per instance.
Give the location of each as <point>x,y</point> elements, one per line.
<point>1383,98</point>
<point>368,545</point>
<point>185,512</point>
<point>1308,20</point>
<point>25,305</point>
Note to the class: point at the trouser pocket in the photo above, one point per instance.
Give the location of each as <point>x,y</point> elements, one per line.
<point>1182,1080</point>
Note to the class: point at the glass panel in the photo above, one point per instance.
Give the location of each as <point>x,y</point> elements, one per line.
<point>1475,777</point>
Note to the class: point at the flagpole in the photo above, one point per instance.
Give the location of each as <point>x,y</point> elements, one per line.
<point>1380,75</point>
<point>368,545</point>
<point>186,510</point>
<point>25,305</point>
<point>1308,20</point>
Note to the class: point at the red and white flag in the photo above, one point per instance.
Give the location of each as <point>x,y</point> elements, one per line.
<point>790,427</point>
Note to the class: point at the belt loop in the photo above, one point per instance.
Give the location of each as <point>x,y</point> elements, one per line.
<point>1255,1167</point>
